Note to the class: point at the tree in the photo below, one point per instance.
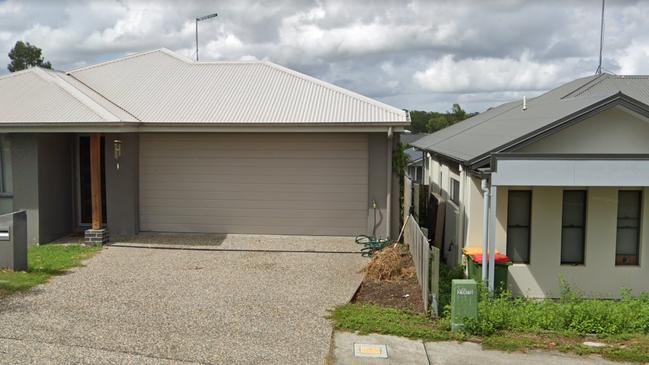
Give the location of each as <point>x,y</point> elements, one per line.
<point>429,122</point>
<point>25,55</point>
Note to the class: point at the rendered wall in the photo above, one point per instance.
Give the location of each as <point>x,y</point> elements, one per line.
<point>25,181</point>
<point>122,185</point>
<point>598,276</point>
<point>55,186</point>
<point>612,131</point>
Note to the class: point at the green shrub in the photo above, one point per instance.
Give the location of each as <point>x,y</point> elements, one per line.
<point>446,276</point>
<point>570,314</point>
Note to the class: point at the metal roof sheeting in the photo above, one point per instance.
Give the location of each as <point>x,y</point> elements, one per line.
<point>489,131</point>
<point>40,95</point>
<point>162,87</point>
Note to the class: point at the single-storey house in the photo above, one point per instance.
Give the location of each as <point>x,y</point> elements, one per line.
<point>558,182</point>
<point>158,142</point>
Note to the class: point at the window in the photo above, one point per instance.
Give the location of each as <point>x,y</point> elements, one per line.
<point>418,173</point>
<point>455,191</point>
<point>629,211</point>
<point>519,212</point>
<point>573,227</point>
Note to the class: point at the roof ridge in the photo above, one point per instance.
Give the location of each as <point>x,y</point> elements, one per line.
<point>586,86</point>
<point>18,73</point>
<point>120,59</point>
<point>336,88</point>
<point>77,94</point>
<point>105,98</point>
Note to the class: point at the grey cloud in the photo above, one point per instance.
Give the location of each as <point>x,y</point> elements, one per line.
<point>490,51</point>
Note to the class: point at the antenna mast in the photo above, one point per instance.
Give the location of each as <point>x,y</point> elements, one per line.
<point>601,41</point>
<point>200,19</point>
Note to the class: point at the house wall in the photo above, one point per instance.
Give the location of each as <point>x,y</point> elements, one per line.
<point>474,211</point>
<point>377,187</point>
<point>612,131</point>
<point>598,277</point>
<point>438,175</point>
<point>6,196</point>
<point>122,188</point>
<point>55,186</point>
<point>25,180</point>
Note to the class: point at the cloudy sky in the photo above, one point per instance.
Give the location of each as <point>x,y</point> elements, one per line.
<point>410,54</point>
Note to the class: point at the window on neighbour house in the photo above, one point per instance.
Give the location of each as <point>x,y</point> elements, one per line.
<point>519,214</point>
<point>455,191</point>
<point>573,227</point>
<point>629,212</point>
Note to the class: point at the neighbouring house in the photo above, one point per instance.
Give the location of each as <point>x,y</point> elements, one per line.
<point>157,142</point>
<point>415,166</point>
<point>415,156</point>
<point>565,179</point>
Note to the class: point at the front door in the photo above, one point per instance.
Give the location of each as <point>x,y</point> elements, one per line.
<point>85,195</point>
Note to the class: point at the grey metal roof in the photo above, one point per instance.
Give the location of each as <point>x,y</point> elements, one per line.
<point>490,131</point>
<point>413,154</point>
<point>162,87</point>
<point>47,96</point>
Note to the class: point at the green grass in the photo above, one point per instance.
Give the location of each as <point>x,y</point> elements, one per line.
<point>43,263</point>
<point>369,318</point>
<point>366,318</point>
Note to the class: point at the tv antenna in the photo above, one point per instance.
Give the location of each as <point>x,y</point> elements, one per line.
<point>601,41</point>
<point>200,19</point>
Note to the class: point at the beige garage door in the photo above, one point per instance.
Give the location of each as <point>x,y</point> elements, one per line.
<point>314,184</point>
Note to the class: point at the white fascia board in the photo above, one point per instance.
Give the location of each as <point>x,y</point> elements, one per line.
<point>571,172</point>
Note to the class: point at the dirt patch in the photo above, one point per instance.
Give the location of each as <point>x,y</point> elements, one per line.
<point>391,281</point>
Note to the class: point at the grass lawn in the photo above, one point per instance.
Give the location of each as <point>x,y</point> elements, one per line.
<point>365,318</point>
<point>43,263</point>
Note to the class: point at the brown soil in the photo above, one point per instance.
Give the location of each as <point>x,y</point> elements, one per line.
<point>390,281</point>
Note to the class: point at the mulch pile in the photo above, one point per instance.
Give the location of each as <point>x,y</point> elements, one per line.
<point>390,280</point>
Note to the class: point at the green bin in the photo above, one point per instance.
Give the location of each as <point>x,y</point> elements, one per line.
<point>474,270</point>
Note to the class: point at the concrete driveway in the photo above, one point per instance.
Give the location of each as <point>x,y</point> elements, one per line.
<point>144,305</point>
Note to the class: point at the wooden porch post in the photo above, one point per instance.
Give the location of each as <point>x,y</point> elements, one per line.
<point>95,179</point>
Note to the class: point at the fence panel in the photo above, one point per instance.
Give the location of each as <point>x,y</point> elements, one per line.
<point>426,259</point>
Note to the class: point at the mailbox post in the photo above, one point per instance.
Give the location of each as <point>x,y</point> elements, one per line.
<point>464,302</point>
<point>13,241</point>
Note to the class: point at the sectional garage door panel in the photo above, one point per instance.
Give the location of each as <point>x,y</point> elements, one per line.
<point>271,183</point>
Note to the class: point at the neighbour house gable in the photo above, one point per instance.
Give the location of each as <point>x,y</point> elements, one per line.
<point>614,131</point>
<point>509,126</point>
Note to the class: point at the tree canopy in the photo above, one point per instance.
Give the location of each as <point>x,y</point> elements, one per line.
<point>25,55</point>
<point>429,122</point>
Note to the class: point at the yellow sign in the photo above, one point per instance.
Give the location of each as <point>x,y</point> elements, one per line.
<point>369,350</point>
